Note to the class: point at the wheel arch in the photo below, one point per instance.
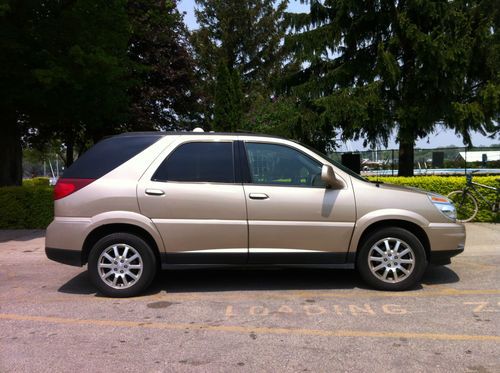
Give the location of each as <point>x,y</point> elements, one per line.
<point>103,230</point>
<point>399,223</point>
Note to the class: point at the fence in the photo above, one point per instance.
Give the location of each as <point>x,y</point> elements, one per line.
<point>437,161</point>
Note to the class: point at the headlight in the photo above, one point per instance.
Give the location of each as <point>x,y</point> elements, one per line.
<point>444,205</point>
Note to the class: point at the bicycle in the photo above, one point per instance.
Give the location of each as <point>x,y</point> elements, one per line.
<point>466,202</point>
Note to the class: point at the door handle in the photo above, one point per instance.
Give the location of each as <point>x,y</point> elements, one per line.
<point>155,192</point>
<point>258,196</point>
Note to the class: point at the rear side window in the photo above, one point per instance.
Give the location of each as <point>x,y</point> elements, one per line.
<point>108,154</point>
<point>198,162</point>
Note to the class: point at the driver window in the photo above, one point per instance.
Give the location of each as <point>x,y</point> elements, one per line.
<point>272,164</point>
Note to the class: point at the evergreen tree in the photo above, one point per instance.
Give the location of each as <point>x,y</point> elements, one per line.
<point>246,36</point>
<point>372,67</point>
<point>228,100</point>
<point>164,95</point>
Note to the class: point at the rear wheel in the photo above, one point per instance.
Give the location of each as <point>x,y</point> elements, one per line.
<point>466,205</point>
<point>392,259</point>
<point>121,265</point>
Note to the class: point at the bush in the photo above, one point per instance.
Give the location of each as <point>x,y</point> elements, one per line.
<point>36,181</point>
<point>26,207</point>
<point>446,184</point>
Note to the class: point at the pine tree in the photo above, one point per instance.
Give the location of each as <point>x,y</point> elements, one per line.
<point>228,100</point>
<point>245,35</point>
<point>377,66</point>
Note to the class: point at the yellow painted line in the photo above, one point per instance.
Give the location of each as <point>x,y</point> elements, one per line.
<point>250,329</point>
<point>271,295</point>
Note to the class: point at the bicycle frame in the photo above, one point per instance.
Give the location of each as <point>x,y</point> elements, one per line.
<point>472,185</point>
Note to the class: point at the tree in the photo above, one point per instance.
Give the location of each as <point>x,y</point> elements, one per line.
<point>165,93</point>
<point>228,106</point>
<point>245,36</point>
<point>372,67</point>
<point>15,88</point>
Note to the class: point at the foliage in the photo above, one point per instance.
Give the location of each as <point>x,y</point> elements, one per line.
<point>246,36</point>
<point>26,207</point>
<point>286,117</point>
<point>446,184</point>
<point>373,67</point>
<point>80,75</point>
<point>164,95</point>
<point>228,102</point>
<point>36,181</point>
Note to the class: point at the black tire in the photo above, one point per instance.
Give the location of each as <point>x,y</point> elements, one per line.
<point>396,279</point>
<point>144,265</point>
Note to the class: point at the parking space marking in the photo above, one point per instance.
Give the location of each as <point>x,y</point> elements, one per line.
<point>288,295</point>
<point>250,329</point>
<point>320,294</point>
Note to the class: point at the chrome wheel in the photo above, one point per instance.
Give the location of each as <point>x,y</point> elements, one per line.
<point>391,260</point>
<point>120,266</point>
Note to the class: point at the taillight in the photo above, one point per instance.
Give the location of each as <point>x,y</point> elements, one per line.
<point>64,187</point>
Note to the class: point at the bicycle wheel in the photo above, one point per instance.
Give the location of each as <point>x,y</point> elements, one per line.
<point>465,203</point>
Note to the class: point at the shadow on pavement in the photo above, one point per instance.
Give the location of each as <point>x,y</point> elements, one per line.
<point>439,275</point>
<point>252,279</point>
<point>20,234</point>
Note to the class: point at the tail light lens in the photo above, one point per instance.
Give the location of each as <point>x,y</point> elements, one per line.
<point>65,187</point>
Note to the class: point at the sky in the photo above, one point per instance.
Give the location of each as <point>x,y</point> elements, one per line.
<point>441,137</point>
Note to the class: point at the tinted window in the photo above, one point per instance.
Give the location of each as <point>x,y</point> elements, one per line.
<point>199,162</point>
<point>108,154</point>
<point>280,165</point>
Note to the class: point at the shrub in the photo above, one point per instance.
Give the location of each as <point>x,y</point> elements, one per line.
<point>446,184</point>
<point>36,181</point>
<point>26,207</point>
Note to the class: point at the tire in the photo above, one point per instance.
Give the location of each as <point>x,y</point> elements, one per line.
<point>121,265</point>
<point>466,205</point>
<point>401,271</point>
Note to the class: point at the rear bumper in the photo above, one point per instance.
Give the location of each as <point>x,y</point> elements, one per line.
<point>70,257</point>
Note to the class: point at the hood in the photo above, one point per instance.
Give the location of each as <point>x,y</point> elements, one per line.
<point>401,188</point>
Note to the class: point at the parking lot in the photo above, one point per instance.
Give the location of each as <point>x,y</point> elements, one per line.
<point>248,319</point>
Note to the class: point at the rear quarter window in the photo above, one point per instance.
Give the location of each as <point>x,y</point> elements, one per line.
<point>198,162</point>
<point>108,154</point>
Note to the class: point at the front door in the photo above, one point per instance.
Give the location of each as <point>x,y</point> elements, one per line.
<point>292,216</point>
<point>196,204</point>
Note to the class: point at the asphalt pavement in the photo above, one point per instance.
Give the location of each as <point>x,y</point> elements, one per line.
<point>250,320</point>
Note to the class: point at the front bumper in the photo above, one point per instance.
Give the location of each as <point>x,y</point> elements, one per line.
<point>444,257</point>
<point>446,241</point>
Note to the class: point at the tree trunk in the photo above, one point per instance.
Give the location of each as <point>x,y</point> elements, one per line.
<point>11,154</point>
<point>406,157</point>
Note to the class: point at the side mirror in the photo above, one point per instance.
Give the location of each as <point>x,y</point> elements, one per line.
<point>328,176</point>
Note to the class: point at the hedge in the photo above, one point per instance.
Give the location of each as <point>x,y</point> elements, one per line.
<point>31,205</point>
<point>26,207</point>
<point>446,184</point>
<point>36,181</point>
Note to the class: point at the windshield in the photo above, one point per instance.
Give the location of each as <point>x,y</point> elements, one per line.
<point>335,163</point>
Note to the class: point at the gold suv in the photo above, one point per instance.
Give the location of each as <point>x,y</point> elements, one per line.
<point>138,202</point>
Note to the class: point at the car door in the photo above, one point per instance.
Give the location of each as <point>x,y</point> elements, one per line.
<point>292,216</point>
<point>193,199</point>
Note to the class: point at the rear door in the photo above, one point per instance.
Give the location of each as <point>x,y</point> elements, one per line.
<point>193,198</point>
<point>292,216</point>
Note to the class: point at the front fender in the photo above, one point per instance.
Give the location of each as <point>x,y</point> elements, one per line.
<point>376,216</point>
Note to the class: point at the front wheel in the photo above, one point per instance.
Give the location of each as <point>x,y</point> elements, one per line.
<point>392,259</point>
<point>466,205</point>
<point>121,265</point>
